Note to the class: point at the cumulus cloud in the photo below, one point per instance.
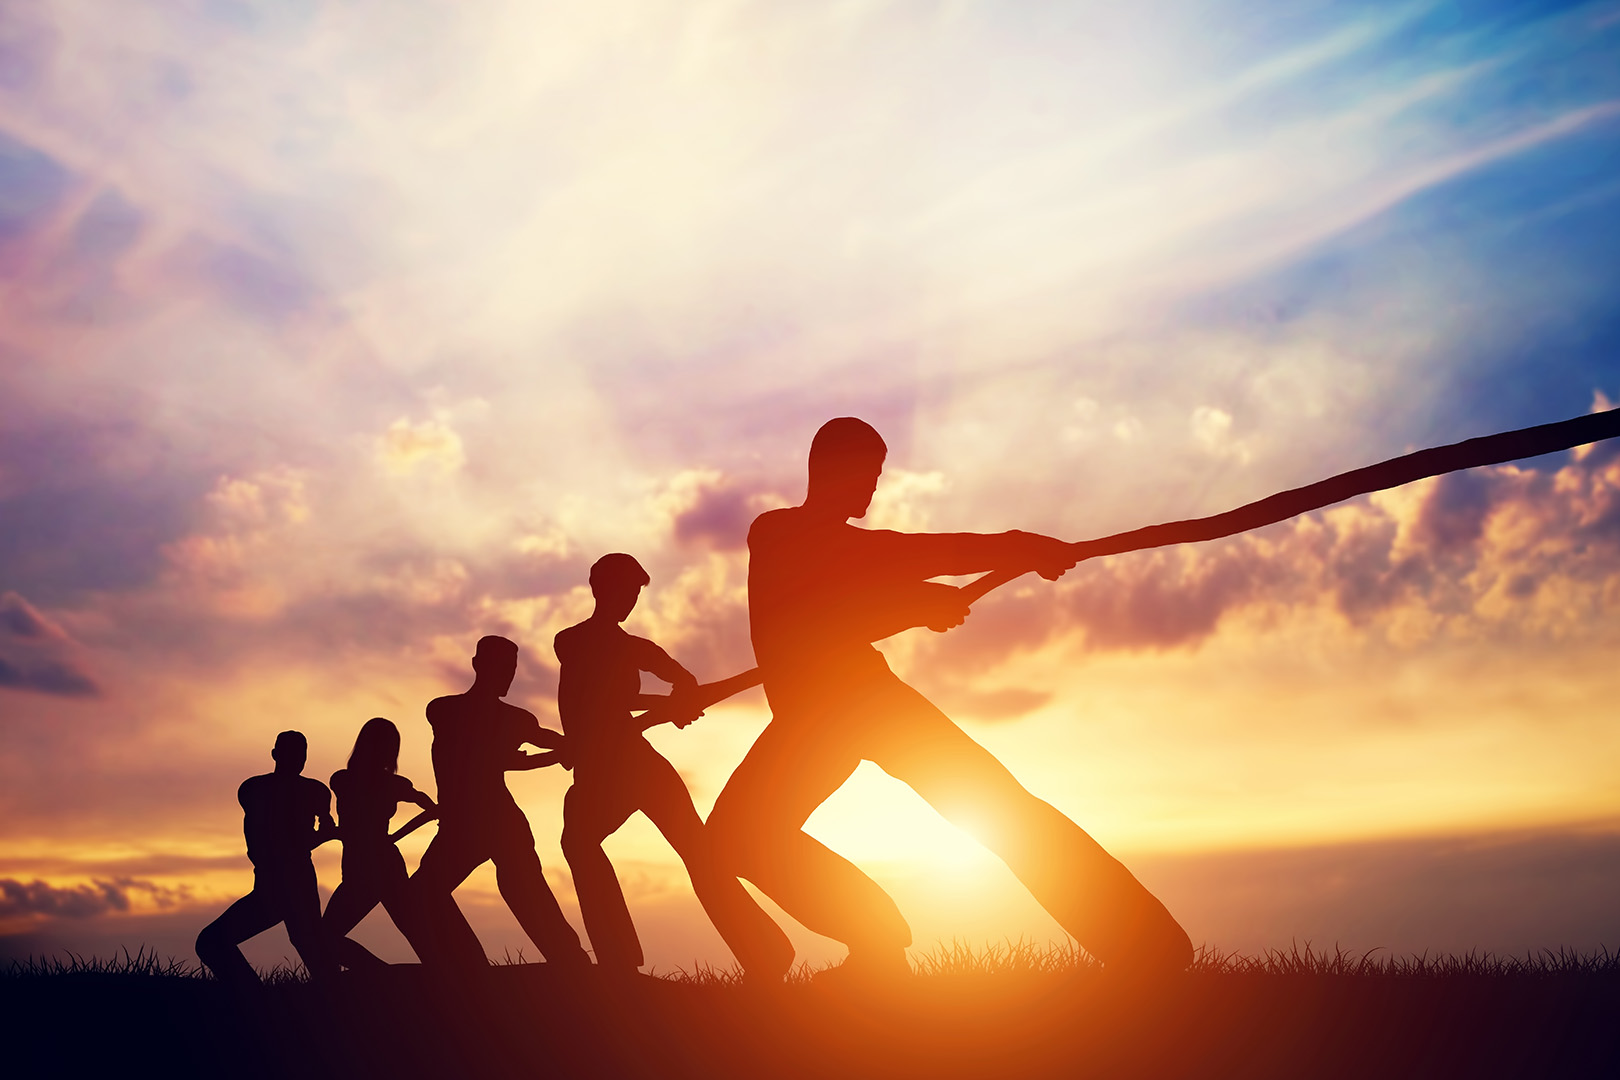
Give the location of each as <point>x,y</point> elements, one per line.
<point>429,446</point>
<point>719,514</point>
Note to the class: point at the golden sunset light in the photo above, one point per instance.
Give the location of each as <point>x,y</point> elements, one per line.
<point>338,336</point>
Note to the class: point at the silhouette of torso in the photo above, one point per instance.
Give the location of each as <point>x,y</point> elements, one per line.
<point>818,589</point>
<point>279,814</point>
<point>598,685</point>
<point>474,741</point>
<point>366,801</point>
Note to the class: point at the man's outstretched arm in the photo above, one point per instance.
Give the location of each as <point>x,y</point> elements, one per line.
<point>679,705</point>
<point>543,737</point>
<point>928,555</point>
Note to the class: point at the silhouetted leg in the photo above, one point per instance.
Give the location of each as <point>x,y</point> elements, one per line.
<point>756,827</point>
<point>394,892</point>
<point>592,810</point>
<point>299,901</point>
<point>351,901</point>
<point>443,937</point>
<point>1090,893</point>
<point>523,886</point>
<point>217,944</point>
<point>753,936</point>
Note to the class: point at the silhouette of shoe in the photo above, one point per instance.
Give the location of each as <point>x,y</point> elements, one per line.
<point>867,969</point>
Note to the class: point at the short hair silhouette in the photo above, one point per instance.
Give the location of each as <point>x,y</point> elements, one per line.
<point>291,746</point>
<point>617,568</point>
<point>494,653</point>
<point>491,645</point>
<point>377,746</point>
<point>843,439</point>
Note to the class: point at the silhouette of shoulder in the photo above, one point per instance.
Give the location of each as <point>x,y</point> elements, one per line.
<point>443,708</point>
<point>391,784</point>
<point>256,789</point>
<point>594,644</point>
<point>773,525</point>
<point>570,641</point>
<point>451,714</point>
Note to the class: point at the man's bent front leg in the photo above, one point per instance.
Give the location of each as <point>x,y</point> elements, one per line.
<point>756,830</point>
<point>438,932</point>
<point>299,899</point>
<point>523,886</point>
<point>217,945</point>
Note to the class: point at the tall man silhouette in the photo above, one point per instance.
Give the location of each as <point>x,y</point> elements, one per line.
<point>285,816</point>
<point>616,773</point>
<point>476,739</point>
<point>820,590</point>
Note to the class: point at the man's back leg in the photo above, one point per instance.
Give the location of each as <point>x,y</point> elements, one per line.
<point>523,886</point>
<point>592,811</point>
<point>753,936</point>
<point>437,930</point>
<point>756,827</point>
<point>1090,893</point>
<point>298,900</point>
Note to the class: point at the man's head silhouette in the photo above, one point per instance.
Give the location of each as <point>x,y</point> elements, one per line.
<point>616,582</point>
<point>290,752</point>
<point>495,664</point>
<point>846,459</point>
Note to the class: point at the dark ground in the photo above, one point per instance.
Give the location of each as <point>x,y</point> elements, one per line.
<point>523,1020</point>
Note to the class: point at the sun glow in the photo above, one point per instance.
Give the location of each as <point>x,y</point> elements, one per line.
<point>876,818</point>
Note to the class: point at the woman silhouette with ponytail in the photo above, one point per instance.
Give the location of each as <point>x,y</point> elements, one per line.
<point>368,792</point>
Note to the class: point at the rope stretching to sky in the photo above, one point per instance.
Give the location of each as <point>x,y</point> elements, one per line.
<point>1470,454</point>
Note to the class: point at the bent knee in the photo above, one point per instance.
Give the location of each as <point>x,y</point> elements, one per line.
<point>735,841</point>
<point>209,941</point>
<point>579,844</point>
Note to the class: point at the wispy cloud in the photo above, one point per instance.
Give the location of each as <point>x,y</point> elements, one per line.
<point>35,654</point>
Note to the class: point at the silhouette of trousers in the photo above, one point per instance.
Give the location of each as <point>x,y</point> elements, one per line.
<point>814,743</point>
<point>283,893</point>
<point>633,776</point>
<point>370,876</point>
<point>461,846</point>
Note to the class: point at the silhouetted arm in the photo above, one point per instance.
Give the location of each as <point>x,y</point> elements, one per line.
<point>325,827</point>
<point>701,698</point>
<point>412,825</point>
<point>545,739</point>
<point>420,798</point>
<point>523,762</point>
<point>921,603</point>
<point>679,706</point>
<point>920,556</point>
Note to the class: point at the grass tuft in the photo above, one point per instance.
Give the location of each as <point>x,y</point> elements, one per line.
<point>139,962</point>
<point>959,959</point>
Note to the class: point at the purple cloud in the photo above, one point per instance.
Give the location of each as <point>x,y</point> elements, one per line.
<point>36,655</point>
<point>21,899</point>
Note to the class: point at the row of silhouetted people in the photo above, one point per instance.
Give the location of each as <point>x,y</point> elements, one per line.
<point>820,591</point>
